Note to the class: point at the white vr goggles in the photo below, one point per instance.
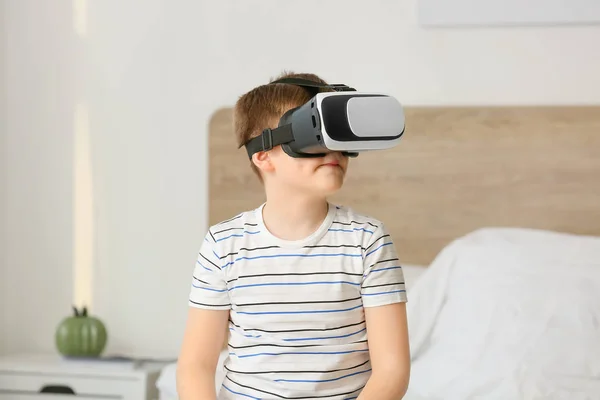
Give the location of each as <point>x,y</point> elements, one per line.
<point>341,120</point>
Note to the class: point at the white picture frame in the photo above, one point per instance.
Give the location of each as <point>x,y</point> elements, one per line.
<point>481,13</point>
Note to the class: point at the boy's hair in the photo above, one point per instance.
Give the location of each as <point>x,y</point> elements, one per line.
<point>263,106</point>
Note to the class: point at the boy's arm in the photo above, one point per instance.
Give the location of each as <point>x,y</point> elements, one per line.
<point>389,350</point>
<point>384,296</point>
<point>203,340</point>
<point>206,327</point>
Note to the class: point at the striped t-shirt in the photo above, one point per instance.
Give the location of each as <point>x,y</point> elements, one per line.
<point>297,323</point>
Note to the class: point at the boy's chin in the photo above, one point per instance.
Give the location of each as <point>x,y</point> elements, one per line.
<point>326,187</point>
<point>316,186</point>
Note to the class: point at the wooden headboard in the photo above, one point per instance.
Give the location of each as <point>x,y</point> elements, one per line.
<point>456,170</point>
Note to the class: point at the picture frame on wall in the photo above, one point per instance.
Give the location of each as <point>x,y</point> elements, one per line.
<point>481,13</point>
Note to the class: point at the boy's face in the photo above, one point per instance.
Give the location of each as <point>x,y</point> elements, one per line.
<point>321,176</point>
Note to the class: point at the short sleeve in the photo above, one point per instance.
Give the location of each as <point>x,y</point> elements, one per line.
<point>383,279</point>
<point>209,286</point>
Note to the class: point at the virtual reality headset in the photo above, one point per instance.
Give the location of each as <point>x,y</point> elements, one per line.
<point>340,119</point>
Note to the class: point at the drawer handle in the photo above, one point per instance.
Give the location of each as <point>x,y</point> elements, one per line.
<point>59,389</point>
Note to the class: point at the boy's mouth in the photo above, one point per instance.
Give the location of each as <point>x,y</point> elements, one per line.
<point>332,164</point>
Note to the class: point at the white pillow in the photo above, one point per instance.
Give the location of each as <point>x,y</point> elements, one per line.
<point>509,313</point>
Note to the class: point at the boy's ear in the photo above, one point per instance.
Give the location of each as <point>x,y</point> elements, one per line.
<point>263,161</point>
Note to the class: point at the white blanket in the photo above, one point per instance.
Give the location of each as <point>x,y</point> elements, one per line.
<point>508,314</point>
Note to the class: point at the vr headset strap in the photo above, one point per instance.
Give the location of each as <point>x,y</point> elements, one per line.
<point>269,139</point>
<point>305,83</point>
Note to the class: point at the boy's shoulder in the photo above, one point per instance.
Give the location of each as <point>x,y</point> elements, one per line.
<point>364,227</point>
<point>246,220</point>
<point>345,219</point>
<point>251,218</point>
<point>352,216</point>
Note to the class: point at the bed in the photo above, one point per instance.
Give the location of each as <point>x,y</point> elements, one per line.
<point>496,214</point>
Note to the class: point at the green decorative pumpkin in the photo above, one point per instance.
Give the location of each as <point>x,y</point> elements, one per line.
<point>81,335</point>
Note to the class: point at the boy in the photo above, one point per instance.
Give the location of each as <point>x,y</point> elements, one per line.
<point>297,283</point>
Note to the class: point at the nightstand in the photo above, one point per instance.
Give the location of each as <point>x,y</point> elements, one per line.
<point>50,377</point>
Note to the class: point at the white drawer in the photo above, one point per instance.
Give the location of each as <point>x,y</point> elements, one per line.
<point>92,386</point>
<point>20,396</point>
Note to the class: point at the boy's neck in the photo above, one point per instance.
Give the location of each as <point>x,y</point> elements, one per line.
<point>293,216</point>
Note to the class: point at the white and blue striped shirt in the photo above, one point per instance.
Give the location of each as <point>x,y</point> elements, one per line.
<point>297,323</point>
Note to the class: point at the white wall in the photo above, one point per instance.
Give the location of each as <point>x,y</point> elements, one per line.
<point>3,269</point>
<point>151,77</point>
<point>39,87</point>
<point>146,125</point>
